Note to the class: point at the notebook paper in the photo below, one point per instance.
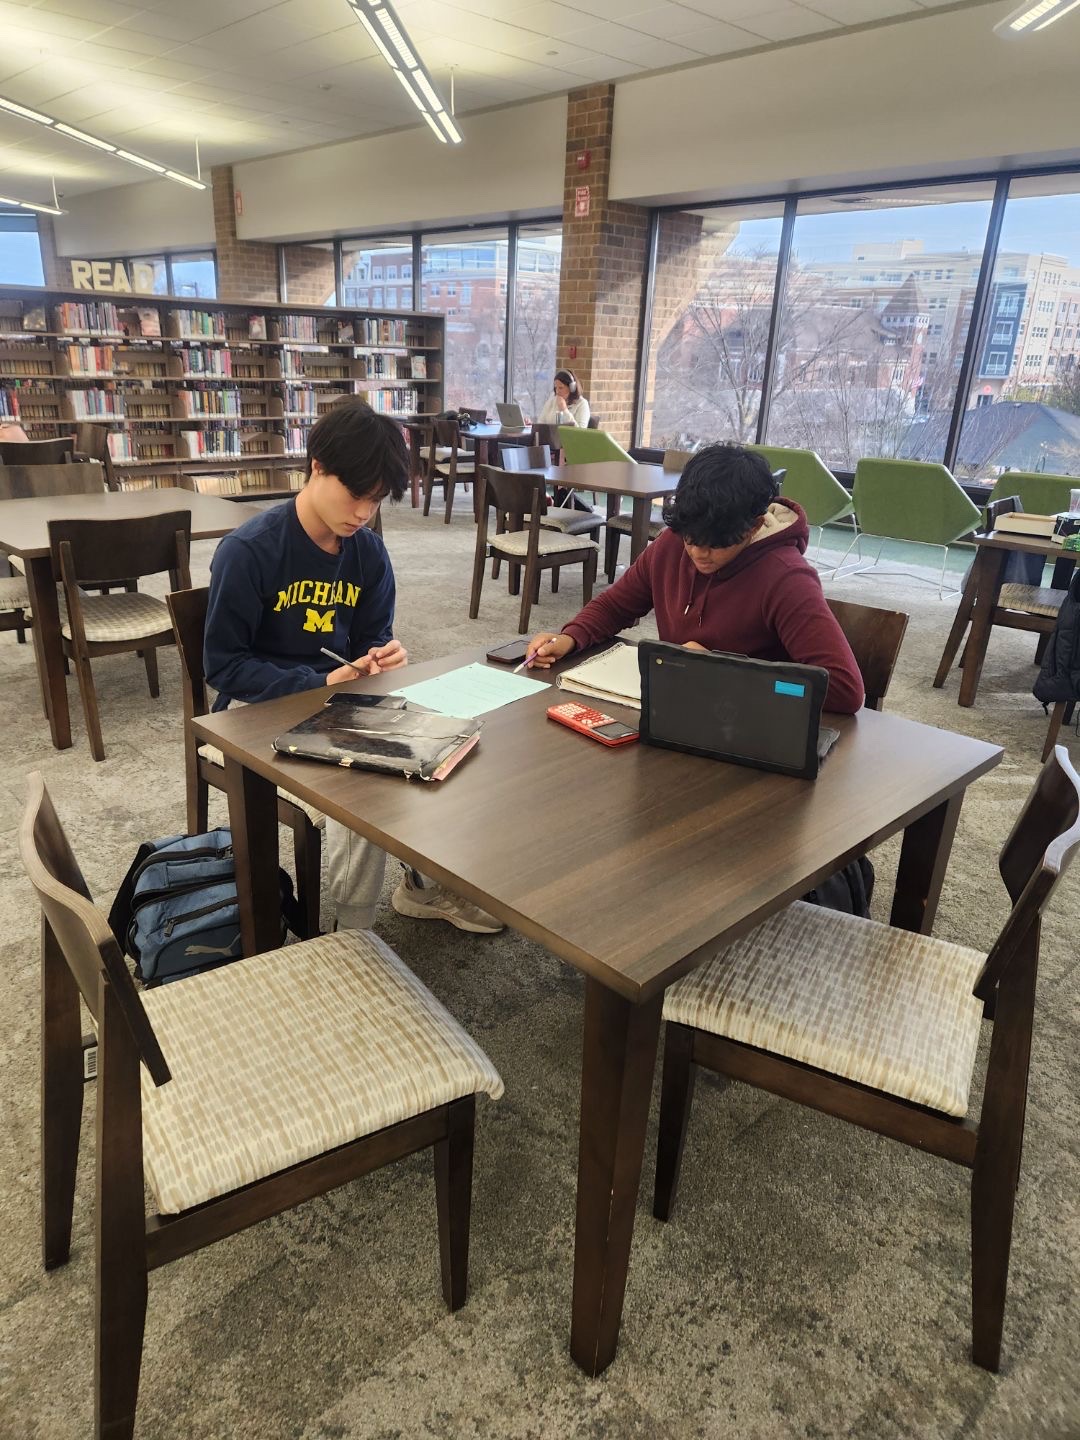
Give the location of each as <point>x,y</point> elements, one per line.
<point>470,691</point>
<point>612,675</point>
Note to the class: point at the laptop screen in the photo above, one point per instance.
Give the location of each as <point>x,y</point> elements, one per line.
<point>750,711</point>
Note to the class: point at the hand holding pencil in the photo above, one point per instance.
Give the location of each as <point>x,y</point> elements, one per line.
<point>544,650</point>
<point>390,656</point>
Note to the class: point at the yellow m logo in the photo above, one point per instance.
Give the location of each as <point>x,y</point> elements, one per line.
<point>323,621</point>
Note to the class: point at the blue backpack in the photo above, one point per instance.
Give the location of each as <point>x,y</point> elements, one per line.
<point>177,911</point>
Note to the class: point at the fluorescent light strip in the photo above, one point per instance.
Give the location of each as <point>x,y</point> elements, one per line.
<point>29,205</point>
<point>1032,17</point>
<point>107,146</point>
<point>1057,15</point>
<point>417,83</point>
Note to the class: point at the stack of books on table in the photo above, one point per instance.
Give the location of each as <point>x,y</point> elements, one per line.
<point>1034,527</point>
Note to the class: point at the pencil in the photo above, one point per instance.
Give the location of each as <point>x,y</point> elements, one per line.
<point>339,659</point>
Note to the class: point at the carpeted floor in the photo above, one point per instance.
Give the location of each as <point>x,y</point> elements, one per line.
<point>813,1283</point>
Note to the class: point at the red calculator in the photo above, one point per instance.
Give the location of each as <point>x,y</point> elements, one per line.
<point>604,728</point>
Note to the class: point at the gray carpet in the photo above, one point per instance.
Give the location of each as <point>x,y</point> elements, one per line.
<point>813,1283</point>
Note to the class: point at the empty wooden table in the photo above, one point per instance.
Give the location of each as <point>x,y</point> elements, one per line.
<point>980,599</point>
<point>24,531</point>
<point>633,865</point>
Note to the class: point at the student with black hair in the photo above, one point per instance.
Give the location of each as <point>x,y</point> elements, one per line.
<point>565,405</point>
<point>310,573</point>
<point>729,574</point>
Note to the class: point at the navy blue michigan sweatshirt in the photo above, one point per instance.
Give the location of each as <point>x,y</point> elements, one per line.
<point>276,598</point>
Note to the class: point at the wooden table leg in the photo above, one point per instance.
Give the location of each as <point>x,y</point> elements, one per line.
<point>959,625</point>
<point>253,820</point>
<point>924,856</point>
<point>414,465</point>
<point>639,527</point>
<point>986,576</point>
<point>48,650</point>
<point>616,1088</point>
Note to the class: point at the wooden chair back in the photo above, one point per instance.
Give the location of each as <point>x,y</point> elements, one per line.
<point>77,929</point>
<point>479,415</point>
<point>105,552</point>
<point>594,423</point>
<point>875,637</point>
<point>37,452</point>
<point>513,496</point>
<point>1038,851</point>
<point>547,435</point>
<point>28,482</point>
<point>92,443</point>
<point>447,432</point>
<point>646,454</point>
<point>188,611</point>
<point>525,457</point>
<point>1006,505</point>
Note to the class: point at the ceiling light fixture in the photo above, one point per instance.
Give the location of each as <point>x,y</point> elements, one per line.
<point>382,23</point>
<point>57,126</point>
<point>30,205</point>
<point>1035,15</point>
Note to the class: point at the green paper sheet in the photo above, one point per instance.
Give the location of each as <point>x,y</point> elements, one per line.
<point>472,690</point>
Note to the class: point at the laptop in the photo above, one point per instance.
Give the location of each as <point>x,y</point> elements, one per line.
<point>763,713</point>
<point>510,415</point>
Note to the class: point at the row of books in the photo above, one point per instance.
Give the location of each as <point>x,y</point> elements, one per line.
<point>92,317</point>
<point>209,402</point>
<point>199,324</point>
<point>92,359</point>
<point>9,405</point>
<point>92,404</point>
<point>120,446</point>
<point>381,332</point>
<point>208,362</point>
<point>392,367</point>
<point>198,443</point>
<point>398,401</point>
<point>239,482</point>
<point>300,401</point>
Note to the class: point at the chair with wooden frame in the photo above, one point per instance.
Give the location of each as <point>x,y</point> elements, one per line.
<point>92,443</point>
<point>112,552</point>
<point>447,469</point>
<point>1020,607</point>
<point>880,1027</point>
<point>218,1147</point>
<point>566,517</point>
<point>519,501</point>
<point>38,452</point>
<point>204,765</point>
<point>875,637</point>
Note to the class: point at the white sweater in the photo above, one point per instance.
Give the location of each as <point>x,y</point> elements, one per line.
<point>576,413</point>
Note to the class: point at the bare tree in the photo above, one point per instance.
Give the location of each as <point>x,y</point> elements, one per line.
<point>536,323</point>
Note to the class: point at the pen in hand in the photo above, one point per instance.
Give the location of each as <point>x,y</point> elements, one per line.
<point>526,664</point>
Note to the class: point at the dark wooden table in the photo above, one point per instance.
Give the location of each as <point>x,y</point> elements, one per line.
<point>484,436</point>
<point>643,484</point>
<point>24,532</point>
<point>980,598</point>
<point>656,861</point>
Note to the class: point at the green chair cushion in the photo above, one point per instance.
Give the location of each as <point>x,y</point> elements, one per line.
<point>809,482</point>
<point>911,500</point>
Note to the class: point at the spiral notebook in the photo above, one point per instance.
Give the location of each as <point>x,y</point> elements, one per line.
<point>382,732</point>
<point>611,675</point>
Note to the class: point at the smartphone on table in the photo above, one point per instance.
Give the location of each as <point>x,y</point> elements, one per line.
<point>511,654</point>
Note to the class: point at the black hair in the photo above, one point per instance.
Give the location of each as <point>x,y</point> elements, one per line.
<point>366,451</point>
<point>569,379</point>
<point>722,491</point>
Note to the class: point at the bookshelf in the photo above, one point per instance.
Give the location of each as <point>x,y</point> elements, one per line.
<point>213,396</point>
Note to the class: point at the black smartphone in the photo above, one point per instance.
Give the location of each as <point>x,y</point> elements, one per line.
<point>511,654</point>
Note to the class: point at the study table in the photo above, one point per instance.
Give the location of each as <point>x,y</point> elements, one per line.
<point>24,532</point>
<point>483,434</point>
<point>635,865</point>
<point>979,602</point>
<point>641,483</point>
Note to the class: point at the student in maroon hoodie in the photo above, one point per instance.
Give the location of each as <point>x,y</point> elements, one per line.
<point>727,574</point>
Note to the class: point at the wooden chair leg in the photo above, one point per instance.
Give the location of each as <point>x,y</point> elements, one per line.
<point>528,593</point>
<point>453,1198</point>
<point>514,583</point>
<point>1057,715</point>
<point>1040,648</point>
<point>307,859</point>
<point>555,579</point>
<point>90,705</point>
<point>451,487</point>
<point>676,1095</point>
<point>150,661</point>
<point>20,627</point>
<point>477,581</point>
<point>429,486</point>
<point>61,1100</point>
<point>588,576</point>
<point>611,555</point>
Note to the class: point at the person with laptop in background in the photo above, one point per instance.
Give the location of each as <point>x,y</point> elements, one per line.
<point>308,572</point>
<point>565,405</point>
<point>728,574</point>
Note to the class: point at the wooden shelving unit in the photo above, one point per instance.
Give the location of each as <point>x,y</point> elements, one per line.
<point>213,396</point>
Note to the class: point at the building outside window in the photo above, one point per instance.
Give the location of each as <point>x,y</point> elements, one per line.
<point>366,261</point>
<point>20,249</point>
<point>475,331</point>
<point>536,315</point>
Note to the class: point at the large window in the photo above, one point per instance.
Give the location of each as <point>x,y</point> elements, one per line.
<point>1023,407</point>
<point>713,289</point>
<point>308,273</point>
<point>20,251</point>
<point>371,266</point>
<point>475,328</point>
<point>874,321</point>
<point>536,314</point>
<point>194,274</point>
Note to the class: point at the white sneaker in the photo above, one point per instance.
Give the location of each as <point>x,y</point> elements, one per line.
<point>434,903</point>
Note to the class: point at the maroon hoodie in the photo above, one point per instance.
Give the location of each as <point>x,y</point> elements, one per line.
<point>767,603</point>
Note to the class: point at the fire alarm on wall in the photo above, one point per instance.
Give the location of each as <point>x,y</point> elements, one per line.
<point>572,352</point>
<point>583,160</point>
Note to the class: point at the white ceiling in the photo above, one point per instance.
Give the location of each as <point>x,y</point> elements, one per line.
<point>255,77</point>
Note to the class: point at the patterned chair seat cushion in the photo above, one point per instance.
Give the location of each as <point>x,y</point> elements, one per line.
<point>120,616</point>
<point>571,521</point>
<point>880,1006</point>
<point>290,1054</point>
<point>317,818</point>
<point>1032,599</point>
<point>549,542</point>
<point>13,593</point>
<point>465,467</point>
<point>442,452</point>
<point>624,524</point>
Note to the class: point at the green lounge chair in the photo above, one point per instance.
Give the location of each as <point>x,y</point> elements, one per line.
<point>913,501</point>
<point>810,483</point>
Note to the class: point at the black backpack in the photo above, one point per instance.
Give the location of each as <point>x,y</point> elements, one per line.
<point>1059,676</point>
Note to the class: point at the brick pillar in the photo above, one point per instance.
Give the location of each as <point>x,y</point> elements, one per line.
<point>247,269</point>
<point>603,269</point>
<point>680,258</point>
